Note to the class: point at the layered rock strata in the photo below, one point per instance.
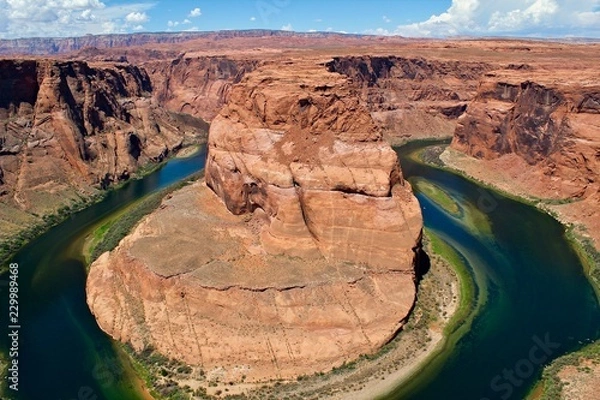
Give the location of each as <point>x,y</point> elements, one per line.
<point>302,260</point>
<point>196,85</point>
<point>413,97</point>
<point>66,127</point>
<point>541,138</point>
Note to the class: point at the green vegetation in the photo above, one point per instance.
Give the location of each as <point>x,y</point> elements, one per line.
<point>465,311</point>
<point>438,196</point>
<point>10,246</point>
<point>160,373</point>
<point>476,221</point>
<point>552,385</point>
<point>589,256</point>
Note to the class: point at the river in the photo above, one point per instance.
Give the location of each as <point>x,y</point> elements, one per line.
<point>536,303</point>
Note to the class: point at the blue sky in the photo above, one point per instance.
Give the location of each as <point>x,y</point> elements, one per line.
<point>416,18</point>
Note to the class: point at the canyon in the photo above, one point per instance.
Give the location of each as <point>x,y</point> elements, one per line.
<point>304,230</point>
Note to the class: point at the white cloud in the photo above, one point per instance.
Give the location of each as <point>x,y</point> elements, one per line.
<point>186,21</point>
<point>318,20</point>
<point>553,18</point>
<point>287,27</point>
<point>29,18</point>
<point>196,12</point>
<point>138,28</point>
<point>252,18</point>
<point>136,17</point>
<point>386,19</point>
<point>538,12</point>
<point>87,15</point>
<point>589,18</point>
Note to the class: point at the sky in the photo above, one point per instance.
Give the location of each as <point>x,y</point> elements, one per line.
<point>414,18</point>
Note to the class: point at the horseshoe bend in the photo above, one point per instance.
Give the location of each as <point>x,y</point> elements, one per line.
<point>295,254</point>
<point>300,249</point>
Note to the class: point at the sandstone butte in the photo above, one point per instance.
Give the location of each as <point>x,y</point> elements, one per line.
<point>320,271</point>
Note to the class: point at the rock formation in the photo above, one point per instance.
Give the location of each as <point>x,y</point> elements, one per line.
<point>196,85</point>
<point>66,127</point>
<point>413,97</point>
<point>544,133</point>
<point>304,259</point>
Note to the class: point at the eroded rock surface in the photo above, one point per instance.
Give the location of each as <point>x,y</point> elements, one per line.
<point>303,259</point>
<point>196,85</point>
<point>413,97</point>
<point>541,136</point>
<point>66,127</point>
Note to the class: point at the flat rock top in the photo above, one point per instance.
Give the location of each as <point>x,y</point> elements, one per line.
<point>193,235</point>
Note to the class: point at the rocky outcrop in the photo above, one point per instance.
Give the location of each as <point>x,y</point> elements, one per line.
<point>554,128</point>
<point>413,97</point>
<point>304,259</point>
<point>196,85</point>
<point>538,138</point>
<point>66,127</point>
<point>295,142</point>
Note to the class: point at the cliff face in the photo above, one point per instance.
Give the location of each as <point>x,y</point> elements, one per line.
<point>196,85</point>
<point>303,259</point>
<point>554,128</point>
<point>249,37</point>
<point>68,126</point>
<point>538,138</point>
<point>413,97</point>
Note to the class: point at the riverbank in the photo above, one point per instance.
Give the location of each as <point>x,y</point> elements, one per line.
<point>567,210</point>
<point>584,235</point>
<point>575,375</point>
<point>21,227</point>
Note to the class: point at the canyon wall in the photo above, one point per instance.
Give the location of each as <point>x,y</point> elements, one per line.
<point>196,85</point>
<point>538,135</point>
<point>413,97</point>
<point>67,127</point>
<point>215,39</point>
<point>297,254</point>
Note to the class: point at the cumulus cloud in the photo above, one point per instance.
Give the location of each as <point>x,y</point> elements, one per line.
<point>287,27</point>
<point>27,18</point>
<point>386,19</point>
<point>252,18</point>
<point>196,12</point>
<point>136,17</point>
<point>553,18</point>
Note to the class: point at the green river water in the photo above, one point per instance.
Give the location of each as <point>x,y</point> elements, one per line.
<point>534,302</point>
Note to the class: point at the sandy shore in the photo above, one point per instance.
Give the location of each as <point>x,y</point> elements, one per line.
<point>387,383</point>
